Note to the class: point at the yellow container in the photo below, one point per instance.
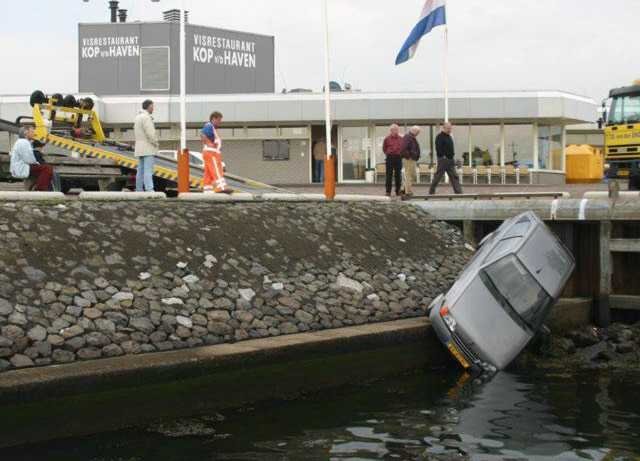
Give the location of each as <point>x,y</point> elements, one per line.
<point>585,164</point>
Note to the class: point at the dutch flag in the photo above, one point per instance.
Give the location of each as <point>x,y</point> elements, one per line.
<point>433,15</point>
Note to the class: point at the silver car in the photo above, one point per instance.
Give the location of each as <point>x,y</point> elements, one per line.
<point>504,295</point>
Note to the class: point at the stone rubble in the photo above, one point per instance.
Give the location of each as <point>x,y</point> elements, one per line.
<point>142,276</point>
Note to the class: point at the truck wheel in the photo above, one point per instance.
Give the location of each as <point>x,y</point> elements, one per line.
<point>86,104</point>
<point>57,98</point>
<point>37,97</point>
<point>69,101</point>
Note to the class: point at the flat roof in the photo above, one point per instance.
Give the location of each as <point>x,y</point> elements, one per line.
<point>478,107</point>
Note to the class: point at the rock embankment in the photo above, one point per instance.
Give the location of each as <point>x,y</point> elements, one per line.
<point>590,348</point>
<point>82,281</point>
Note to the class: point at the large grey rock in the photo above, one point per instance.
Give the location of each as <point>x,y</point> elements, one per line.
<point>4,365</point>
<point>37,333</point>
<point>48,296</point>
<point>6,308</point>
<point>34,274</point>
<point>5,342</point>
<point>89,353</point>
<point>142,324</point>
<point>72,332</point>
<point>105,325</point>
<point>184,321</point>
<point>55,340</point>
<point>112,350</point>
<point>18,318</point>
<point>62,356</point>
<point>288,328</point>
<point>345,283</point>
<point>223,303</point>
<point>218,316</point>
<point>304,317</point>
<point>12,332</point>
<point>21,361</point>
<point>122,296</point>
<point>247,294</point>
<point>97,339</point>
<point>219,328</point>
<point>92,313</point>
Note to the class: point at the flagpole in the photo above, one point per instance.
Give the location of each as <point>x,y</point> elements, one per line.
<point>329,170</point>
<point>446,74</point>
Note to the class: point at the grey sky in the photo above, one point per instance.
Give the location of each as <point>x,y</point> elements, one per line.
<point>581,46</point>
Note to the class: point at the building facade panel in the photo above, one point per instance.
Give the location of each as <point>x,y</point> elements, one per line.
<point>111,59</point>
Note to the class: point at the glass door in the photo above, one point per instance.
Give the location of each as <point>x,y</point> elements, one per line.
<point>355,146</point>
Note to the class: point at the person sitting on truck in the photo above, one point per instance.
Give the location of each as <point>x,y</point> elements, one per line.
<point>23,163</point>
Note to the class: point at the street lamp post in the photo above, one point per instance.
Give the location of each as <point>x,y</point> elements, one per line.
<point>183,153</point>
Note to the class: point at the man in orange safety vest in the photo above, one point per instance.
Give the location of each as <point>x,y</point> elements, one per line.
<point>212,156</point>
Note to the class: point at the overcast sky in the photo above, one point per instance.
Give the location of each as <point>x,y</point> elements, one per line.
<point>581,46</point>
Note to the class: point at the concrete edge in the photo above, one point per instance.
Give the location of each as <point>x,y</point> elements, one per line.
<point>291,197</point>
<point>122,196</point>
<point>361,198</point>
<point>605,194</point>
<point>214,197</point>
<point>55,378</point>
<point>27,196</point>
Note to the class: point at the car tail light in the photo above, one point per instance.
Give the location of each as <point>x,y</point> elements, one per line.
<point>448,318</point>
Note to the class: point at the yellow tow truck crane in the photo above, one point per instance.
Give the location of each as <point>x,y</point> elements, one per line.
<point>73,125</point>
<point>622,131</point>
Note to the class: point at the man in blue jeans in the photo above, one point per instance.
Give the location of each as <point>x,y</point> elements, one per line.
<point>147,145</point>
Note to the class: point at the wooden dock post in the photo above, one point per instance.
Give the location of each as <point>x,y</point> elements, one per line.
<point>602,308</point>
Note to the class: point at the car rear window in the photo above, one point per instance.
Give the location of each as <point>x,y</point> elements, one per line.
<point>518,229</point>
<point>503,247</point>
<point>519,289</point>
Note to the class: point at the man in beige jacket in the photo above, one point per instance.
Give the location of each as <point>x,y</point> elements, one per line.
<point>147,145</point>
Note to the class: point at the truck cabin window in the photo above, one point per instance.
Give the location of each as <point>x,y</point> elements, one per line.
<point>625,109</point>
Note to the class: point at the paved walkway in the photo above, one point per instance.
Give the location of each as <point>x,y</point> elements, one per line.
<point>576,190</point>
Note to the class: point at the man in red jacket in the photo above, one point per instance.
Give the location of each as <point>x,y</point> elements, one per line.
<point>392,148</point>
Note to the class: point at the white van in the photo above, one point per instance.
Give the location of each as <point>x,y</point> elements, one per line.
<point>504,295</point>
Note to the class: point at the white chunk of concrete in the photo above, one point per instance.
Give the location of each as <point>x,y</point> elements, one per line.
<point>24,196</point>
<point>122,196</point>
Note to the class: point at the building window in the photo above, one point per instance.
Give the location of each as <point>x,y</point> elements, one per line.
<point>518,145</point>
<point>262,133</point>
<point>297,132</point>
<point>154,68</point>
<point>426,139</point>
<point>461,142</point>
<point>485,145</point>
<point>274,150</point>
<point>550,149</point>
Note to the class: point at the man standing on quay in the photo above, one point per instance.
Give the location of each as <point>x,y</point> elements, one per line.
<point>392,148</point>
<point>147,146</point>
<point>410,156</point>
<point>446,163</point>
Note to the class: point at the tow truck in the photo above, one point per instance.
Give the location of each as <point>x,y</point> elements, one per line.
<point>622,131</point>
<point>72,124</point>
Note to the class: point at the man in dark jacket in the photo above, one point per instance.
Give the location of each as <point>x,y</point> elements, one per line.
<point>410,157</point>
<point>446,163</point>
<point>392,148</point>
